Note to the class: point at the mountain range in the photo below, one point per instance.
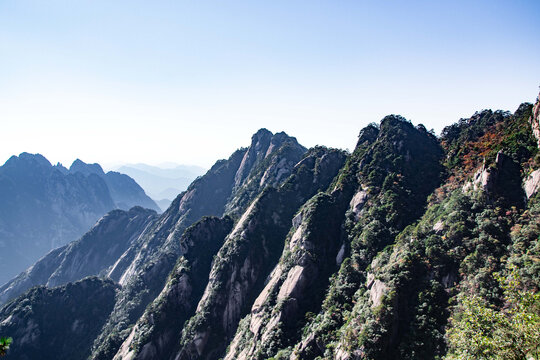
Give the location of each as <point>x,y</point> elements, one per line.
<point>283,252</point>
<point>43,207</point>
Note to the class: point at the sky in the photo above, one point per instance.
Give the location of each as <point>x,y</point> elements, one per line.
<point>190,81</point>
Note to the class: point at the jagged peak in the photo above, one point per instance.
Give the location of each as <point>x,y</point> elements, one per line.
<point>263,132</point>
<point>261,136</point>
<point>80,166</point>
<point>283,136</point>
<point>28,158</point>
<point>264,136</point>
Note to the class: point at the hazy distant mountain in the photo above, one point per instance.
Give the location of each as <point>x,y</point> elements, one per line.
<point>170,171</point>
<point>43,206</point>
<point>125,191</point>
<point>162,184</point>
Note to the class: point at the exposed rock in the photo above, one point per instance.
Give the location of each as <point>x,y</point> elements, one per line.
<point>268,161</point>
<point>250,252</point>
<point>357,202</point>
<point>376,288</point>
<point>340,255</point>
<point>532,183</point>
<point>500,181</point>
<point>156,333</point>
<point>294,284</point>
<point>307,271</point>
<point>259,147</point>
<point>227,188</point>
<point>482,180</point>
<point>287,295</point>
<point>43,207</point>
<point>439,227</point>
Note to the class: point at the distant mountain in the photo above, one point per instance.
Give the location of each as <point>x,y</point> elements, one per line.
<point>170,171</point>
<point>125,191</point>
<point>43,206</point>
<point>162,184</point>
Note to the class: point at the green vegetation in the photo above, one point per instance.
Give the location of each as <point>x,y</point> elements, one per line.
<point>4,345</point>
<point>387,165</point>
<point>470,142</point>
<point>511,331</point>
<point>58,323</point>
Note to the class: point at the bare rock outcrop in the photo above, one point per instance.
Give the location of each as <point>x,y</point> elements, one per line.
<point>501,181</point>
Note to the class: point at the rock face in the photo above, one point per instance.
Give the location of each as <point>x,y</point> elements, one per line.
<point>93,254</point>
<point>37,318</point>
<point>249,253</point>
<point>155,336</point>
<point>532,183</point>
<point>227,188</point>
<point>295,283</point>
<point>501,181</point>
<point>320,238</point>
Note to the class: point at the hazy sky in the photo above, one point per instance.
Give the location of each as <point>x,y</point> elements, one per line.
<point>191,81</point>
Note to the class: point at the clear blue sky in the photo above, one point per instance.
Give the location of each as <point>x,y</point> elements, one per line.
<point>190,81</point>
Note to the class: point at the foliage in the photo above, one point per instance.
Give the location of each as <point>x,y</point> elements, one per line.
<point>483,331</point>
<point>472,141</point>
<point>78,309</point>
<point>4,345</point>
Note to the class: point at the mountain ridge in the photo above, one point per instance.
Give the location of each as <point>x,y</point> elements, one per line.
<point>283,252</point>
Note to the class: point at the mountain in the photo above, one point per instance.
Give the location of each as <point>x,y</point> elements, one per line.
<point>93,254</point>
<point>226,189</point>
<point>162,184</point>
<point>43,206</point>
<point>125,192</point>
<point>76,310</point>
<point>413,246</point>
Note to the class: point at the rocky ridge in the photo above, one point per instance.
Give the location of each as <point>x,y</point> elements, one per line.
<point>144,267</point>
<point>283,253</point>
<point>93,254</point>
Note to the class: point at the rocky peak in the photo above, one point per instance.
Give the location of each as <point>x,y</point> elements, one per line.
<point>27,162</point>
<point>86,169</point>
<point>261,137</point>
<point>263,144</point>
